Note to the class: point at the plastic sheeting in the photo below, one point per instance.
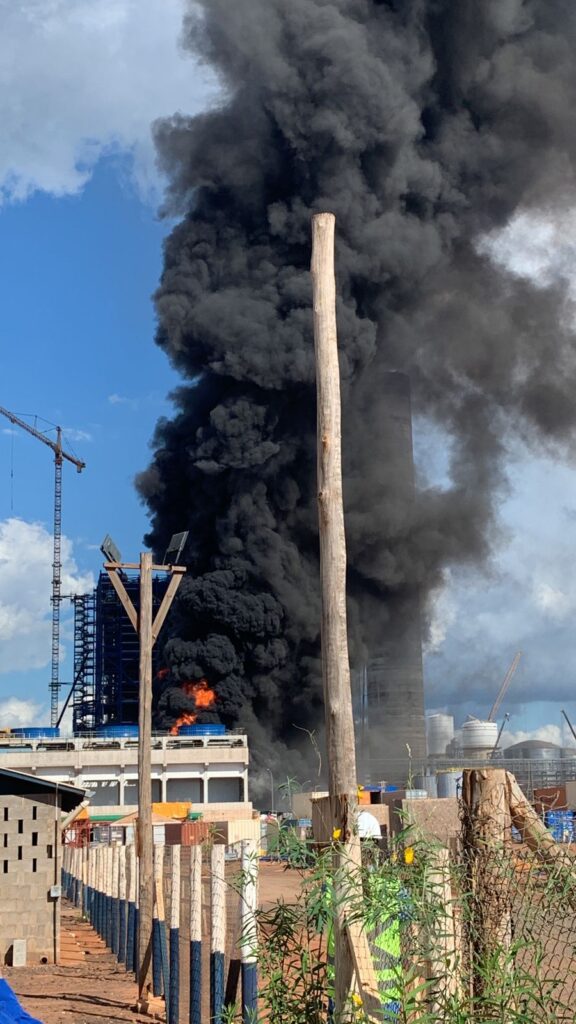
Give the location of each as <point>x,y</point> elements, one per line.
<point>10,1010</point>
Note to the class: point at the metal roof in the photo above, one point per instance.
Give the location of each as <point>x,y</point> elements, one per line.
<point>13,783</point>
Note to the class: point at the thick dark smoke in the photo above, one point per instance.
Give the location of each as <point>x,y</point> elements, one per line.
<point>422,124</point>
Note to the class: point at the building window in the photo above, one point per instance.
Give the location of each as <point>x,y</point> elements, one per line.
<point>20,825</point>
<point>34,863</point>
<point>5,867</point>
<point>34,839</point>
<point>5,814</point>
<point>19,853</point>
<point>49,851</point>
<point>34,813</point>
<point>5,841</point>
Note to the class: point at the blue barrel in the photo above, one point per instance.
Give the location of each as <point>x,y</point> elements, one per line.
<point>117,732</point>
<point>561,825</point>
<point>29,733</point>
<point>210,729</point>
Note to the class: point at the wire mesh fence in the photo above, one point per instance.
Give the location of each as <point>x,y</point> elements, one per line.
<point>482,931</point>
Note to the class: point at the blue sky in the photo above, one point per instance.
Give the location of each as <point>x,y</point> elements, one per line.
<point>80,256</point>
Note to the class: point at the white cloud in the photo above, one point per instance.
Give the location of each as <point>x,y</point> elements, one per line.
<point>131,403</point>
<point>15,712</point>
<point>73,434</point>
<point>538,245</point>
<point>551,733</point>
<point>79,78</point>
<point>25,586</point>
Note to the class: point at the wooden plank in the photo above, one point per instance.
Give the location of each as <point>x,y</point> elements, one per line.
<point>169,596</point>
<point>364,971</point>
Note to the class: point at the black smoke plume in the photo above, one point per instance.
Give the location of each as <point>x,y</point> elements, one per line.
<point>423,125</point>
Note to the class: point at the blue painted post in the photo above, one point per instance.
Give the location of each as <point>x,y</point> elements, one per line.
<point>173,1012</point>
<point>108,891</point>
<point>98,892</point>
<point>136,913</point>
<point>122,895</point>
<point>79,879</point>
<point>115,874</point>
<point>158,923</point>
<point>73,885</point>
<point>249,937</point>
<point>85,882</point>
<point>217,932</point>
<point>131,915</point>
<point>195,1011</point>
<point>91,865</point>
<point>101,894</point>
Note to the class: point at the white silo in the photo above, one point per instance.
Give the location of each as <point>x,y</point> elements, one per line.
<point>478,738</point>
<point>439,733</point>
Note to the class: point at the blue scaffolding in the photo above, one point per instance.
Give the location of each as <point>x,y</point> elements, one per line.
<point>106,655</point>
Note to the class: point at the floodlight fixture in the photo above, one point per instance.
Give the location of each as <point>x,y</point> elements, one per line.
<point>175,548</point>
<point>110,551</point>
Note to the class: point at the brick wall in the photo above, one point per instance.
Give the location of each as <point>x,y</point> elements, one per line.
<point>29,866</point>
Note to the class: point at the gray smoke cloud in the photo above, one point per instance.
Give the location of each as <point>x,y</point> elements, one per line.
<point>422,125</point>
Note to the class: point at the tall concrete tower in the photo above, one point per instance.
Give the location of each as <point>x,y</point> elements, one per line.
<point>389,688</point>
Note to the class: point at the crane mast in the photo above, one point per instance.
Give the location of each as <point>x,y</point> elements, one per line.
<point>56,598</point>
<point>502,692</point>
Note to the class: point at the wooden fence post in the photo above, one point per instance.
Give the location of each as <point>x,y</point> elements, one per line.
<point>173,1013</point>
<point>122,905</point>
<point>159,948</point>
<point>114,873</point>
<point>335,663</point>
<point>217,932</point>
<point>131,939</point>
<point>487,838</point>
<point>195,1009</point>
<point>249,938</point>
<point>444,966</point>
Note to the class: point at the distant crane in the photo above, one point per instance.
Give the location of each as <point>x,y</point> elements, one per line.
<point>59,456</point>
<point>569,723</point>
<point>502,691</point>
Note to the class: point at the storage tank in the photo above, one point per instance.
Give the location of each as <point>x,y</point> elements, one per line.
<point>117,732</point>
<point>534,750</point>
<point>439,733</point>
<point>478,738</point>
<point>449,784</point>
<point>427,782</point>
<point>209,729</point>
<point>34,733</point>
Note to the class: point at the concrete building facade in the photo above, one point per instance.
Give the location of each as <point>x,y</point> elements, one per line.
<point>202,770</point>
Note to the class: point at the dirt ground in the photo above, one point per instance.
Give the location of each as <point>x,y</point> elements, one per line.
<point>89,987</point>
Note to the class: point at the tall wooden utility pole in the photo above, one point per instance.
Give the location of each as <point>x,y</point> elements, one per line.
<point>148,630</point>
<point>335,664</point>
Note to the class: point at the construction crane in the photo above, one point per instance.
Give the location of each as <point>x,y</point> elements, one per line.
<point>59,456</point>
<point>569,723</point>
<point>502,691</point>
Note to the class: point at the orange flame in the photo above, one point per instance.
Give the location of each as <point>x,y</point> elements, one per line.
<point>202,696</point>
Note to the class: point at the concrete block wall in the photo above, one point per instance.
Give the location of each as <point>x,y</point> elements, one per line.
<point>29,866</point>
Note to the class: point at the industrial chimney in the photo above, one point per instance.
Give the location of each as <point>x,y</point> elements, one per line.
<point>391,732</point>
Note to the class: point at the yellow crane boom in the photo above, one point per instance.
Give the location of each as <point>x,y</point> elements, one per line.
<point>502,691</point>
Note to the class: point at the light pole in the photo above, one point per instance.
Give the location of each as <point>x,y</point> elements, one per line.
<point>271,789</point>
